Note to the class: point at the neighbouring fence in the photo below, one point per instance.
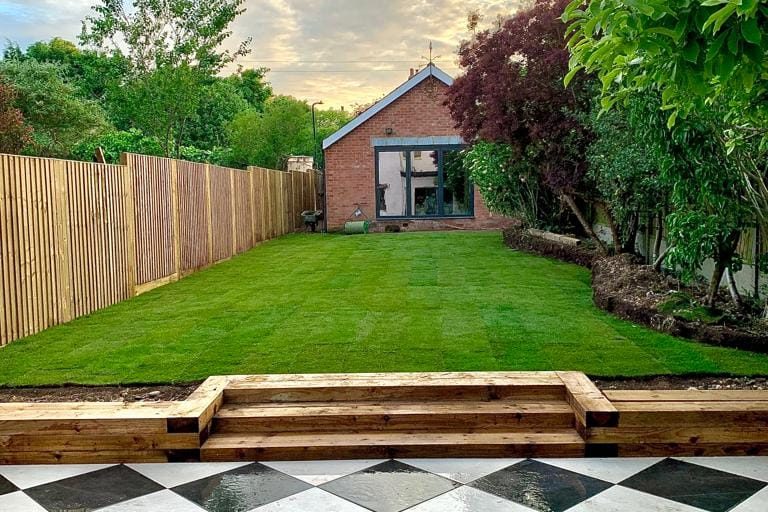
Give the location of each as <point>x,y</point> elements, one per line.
<point>76,237</point>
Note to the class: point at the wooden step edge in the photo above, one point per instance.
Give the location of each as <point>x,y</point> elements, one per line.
<point>698,395</point>
<point>270,410</point>
<point>560,443</point>
<point>590,405</point>
<point>397,378</point>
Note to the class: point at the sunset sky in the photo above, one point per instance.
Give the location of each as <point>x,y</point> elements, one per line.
<point>340,51</point>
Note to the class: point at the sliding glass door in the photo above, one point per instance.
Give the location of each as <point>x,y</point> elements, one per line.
<point>422,182</point>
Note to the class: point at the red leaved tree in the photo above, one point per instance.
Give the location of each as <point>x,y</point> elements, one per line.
<point>14,133</point>
<point>512,92</point>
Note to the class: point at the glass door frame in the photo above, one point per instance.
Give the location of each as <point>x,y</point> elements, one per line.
<point>409,150</point>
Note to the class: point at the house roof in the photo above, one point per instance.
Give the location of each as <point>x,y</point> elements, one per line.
<point>430,70</point>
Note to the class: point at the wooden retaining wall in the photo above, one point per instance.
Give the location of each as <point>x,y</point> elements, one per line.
<point>383,415</point>
<point>76,237</point>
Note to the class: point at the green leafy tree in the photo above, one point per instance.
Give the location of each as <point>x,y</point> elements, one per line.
<point>114,143</point>
<point>509,185</point>
<point>219,103</point>
<point>161,104</point>
<point>59,117</point>
<point>15,134</point>
<point>706,61</point>
<point>625,169</point>
<point>94,74</point>
<point>283,129</point>
<point>161,33</point>
<point>252,85</point>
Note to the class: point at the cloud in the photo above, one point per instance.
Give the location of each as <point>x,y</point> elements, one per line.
<point>343,52</point>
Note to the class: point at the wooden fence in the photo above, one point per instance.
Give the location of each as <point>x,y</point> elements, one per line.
<point>76,237</point>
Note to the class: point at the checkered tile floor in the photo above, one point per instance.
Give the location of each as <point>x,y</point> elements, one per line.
<point>419,485</point>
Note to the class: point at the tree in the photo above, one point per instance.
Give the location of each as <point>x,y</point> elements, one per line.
<point>162,33</point>
<point>283,129</point>
<point>624,169</point>
<point>694,54</point>
<point>706,61</point>
<point>94,74</point>
<point>512,93</point>
<point>251,84</point>
<point>161,104</point>
<point>220,101</point>
<point>59,117</point>
<point>15,134</point>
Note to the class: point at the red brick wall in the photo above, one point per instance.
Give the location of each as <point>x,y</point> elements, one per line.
<point>351,168</point>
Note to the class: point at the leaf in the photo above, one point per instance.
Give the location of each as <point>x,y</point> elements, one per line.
<point>571,74</point>
<point>715,47</point>
<point>718,19</point>
<point>672,120</point>
<point>691,51</point>
<point>751,31</point>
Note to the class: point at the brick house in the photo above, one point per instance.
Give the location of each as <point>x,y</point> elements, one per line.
<point>399,163</point>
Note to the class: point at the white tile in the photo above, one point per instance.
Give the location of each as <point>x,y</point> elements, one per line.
<point>171,475</point>
<point>317,472</point>
<point>314,500</point>
<point>622,499</point>
<point>468,499</point>
<point>750,467</point>
<point>18,502</point>
<point>461,470</point>
<point>607,470</point>
<point>165,500</point>
<point>30,476</point>
<point>757,503</point>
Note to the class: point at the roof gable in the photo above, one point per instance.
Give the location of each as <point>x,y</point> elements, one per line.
<point>430,70</point>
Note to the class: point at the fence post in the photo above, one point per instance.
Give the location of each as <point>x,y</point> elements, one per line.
<point>175,218</point>
<point>208,211</point>
<point>130,222</point>
<point>234,210</point>
<point>252,195</point>
<point>61,237</point>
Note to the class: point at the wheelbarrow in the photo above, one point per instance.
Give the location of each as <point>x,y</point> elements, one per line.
<point>312,218</point>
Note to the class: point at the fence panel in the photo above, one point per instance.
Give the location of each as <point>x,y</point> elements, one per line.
<point>244,237</point>
<point>76,237</point>
<point>193,216</point>
<point>155,258</point>
<point>98,238</point>
<point>221,212</point>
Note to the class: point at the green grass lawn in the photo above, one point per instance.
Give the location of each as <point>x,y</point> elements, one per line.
<point>399,302</point>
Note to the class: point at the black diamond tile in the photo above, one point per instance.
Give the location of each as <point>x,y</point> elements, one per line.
<point>6,486</point>
<point>694,485</point>
<point>541,486</point>
<point>93,490</point>
<point>241,489</point>
<point>390,486</point>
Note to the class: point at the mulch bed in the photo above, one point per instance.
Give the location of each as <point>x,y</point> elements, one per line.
<point>98,394</point>
<point>634,292</point>
<point>517,238</point>
<point>685,383</point>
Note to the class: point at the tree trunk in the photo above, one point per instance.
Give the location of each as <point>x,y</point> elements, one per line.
<point>615,234</point>
<point>660,260</point>
<point>571,202</point>
<point>733,289</point>
<point>631,243</point>
<point>722,259</point>
<point>659,235</point>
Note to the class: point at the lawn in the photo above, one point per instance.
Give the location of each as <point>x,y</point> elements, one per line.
<point>395,302</point>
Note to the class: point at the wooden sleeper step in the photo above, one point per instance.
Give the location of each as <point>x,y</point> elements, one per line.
<point>395,387</point>
<point>372,416</point>
<point>318,446</point>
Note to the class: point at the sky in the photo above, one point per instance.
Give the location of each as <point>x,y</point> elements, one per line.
<point>341,52</point>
